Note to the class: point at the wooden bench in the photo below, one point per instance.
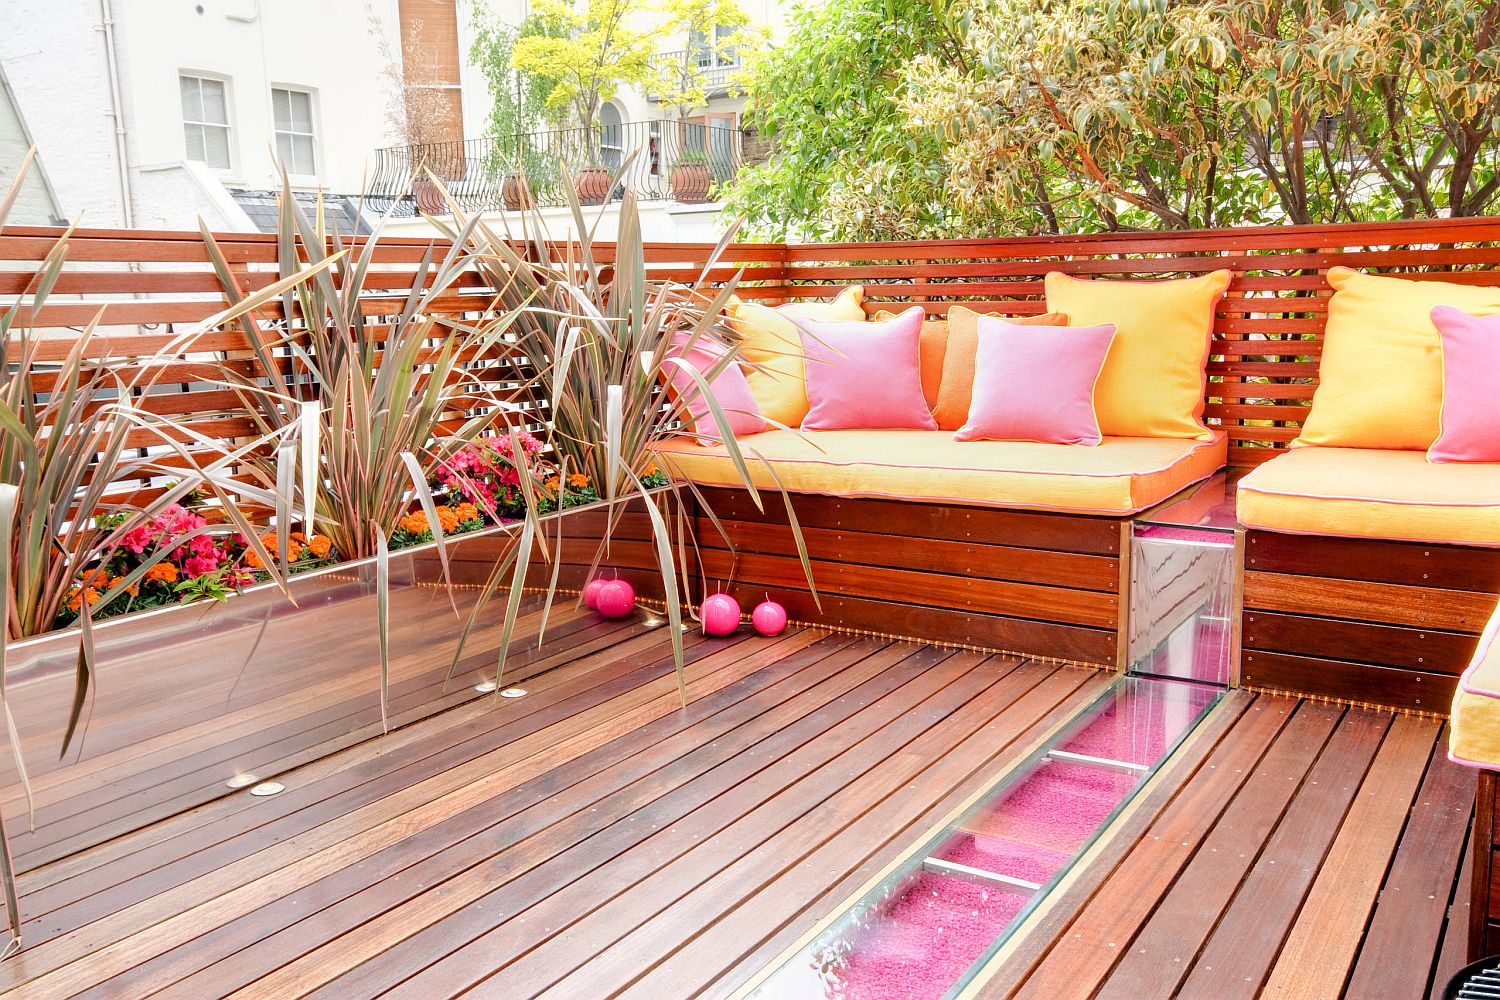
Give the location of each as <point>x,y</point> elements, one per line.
<point>1384,622</point>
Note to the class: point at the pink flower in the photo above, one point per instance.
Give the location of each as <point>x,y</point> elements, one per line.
<point>200,565</point>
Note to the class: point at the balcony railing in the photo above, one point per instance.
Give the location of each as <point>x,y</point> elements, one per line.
<point>711,70</point>
<point>674,159</point>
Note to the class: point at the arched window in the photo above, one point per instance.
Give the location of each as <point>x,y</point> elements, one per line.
<point>611,135</point>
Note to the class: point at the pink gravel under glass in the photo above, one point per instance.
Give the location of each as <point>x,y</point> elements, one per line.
<point>917,943</point>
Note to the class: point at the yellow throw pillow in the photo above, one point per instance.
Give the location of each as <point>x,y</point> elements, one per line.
<point>1380,381</point>
<point>1152,383</point>
<point>771,341</point>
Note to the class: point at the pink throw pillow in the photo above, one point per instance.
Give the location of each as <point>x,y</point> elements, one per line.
<point>1036,383</point>
<point>865,374</point>
<point>730,388</point>
<point>1468,431</point>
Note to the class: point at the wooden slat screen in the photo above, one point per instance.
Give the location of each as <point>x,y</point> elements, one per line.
<point>1264,355</point>
<point>153,286</point>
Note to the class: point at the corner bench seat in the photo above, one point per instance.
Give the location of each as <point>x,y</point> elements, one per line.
<point>1365,493</point>
<point>1119,476</point>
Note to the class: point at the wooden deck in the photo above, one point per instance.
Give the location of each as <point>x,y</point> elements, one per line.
<point>594,839</point>
<point>1297,849</point>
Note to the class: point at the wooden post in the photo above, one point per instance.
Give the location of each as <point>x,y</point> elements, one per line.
<point>1481,940</point>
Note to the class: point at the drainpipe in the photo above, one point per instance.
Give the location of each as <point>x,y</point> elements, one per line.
<point>106,13</point>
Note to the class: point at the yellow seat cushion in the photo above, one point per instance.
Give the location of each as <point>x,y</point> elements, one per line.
<point>1474,722</point>
<point>1152,382</point>
<point>1373,493</point>
<point>1119,476</point>
<point>1380,380</point>
<point>773,344</point>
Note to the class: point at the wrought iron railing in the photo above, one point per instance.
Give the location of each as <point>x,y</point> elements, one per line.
<point>675,159</point>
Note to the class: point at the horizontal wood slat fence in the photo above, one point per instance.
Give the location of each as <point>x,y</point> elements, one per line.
<point>1264,354</point>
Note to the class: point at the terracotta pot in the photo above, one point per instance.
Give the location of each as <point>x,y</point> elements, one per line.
<point>593,185</point>
<point>691,183</point>
<point>515,191</point>
<point>429,198</point>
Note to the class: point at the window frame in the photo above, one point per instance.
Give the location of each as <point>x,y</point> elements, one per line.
<point>228,124</point>
<point>277,131</point>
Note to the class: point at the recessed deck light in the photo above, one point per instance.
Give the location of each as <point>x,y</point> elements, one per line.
<point>513,693</point>
<point>485,687</point>
<point>268,788</point>
<point>241,780</point>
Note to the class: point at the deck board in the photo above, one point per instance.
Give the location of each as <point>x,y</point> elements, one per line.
<point>1335,864</point>
<point>597,839</point>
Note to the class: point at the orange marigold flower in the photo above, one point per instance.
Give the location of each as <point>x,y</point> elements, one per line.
<point>251,559</point>
<point>551,485</point>
<point>651,470</point>
<point>578,480</point>
<point>319,546</point>
<point>447,518</point>
<point>93,578</point>
<point>414,523</point>
<point>132,590</point>
<point>293,551</point>
<point>467,512</point>
<point>79,596</point>
<point>165,572</point>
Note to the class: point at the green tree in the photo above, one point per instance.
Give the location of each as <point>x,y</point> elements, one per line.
<point>1068,115</point>
<point>518,99</point>
<point>845,164</point>
<point>597,48</point>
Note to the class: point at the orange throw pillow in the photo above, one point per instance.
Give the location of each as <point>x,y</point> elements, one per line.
<point>952,408</point>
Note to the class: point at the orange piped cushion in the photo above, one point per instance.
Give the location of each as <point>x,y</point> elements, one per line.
<point>1373,493</point>
<point>1380,381</point>
<point>1153,380</point>
<point>772,343</point>
<point>948,351</point>
<point>1118,476</point>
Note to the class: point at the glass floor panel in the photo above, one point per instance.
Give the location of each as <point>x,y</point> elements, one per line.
<point>930,926</point>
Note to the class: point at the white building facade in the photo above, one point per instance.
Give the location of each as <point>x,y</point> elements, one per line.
<point>154,114</point>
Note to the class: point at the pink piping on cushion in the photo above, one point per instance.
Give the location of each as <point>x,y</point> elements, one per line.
<point>1011,505</point>
<point>1455,758</point>
<point>1022,472</point>
<point>1486,640</point>
<point>1385,500</point>
<point>972,502</point>
<point>1388,538</point>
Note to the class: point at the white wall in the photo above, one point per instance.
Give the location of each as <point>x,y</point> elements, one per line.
<point>53,54</point>
<point>324,46</point>
<point>661,221</point>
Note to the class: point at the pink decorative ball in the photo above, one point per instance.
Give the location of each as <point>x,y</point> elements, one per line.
<point>720,613</point>
<point>615,599</point>
<point>591,591</point>
<point>769,618</point>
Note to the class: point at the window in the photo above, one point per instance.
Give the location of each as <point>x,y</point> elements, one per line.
<point>205,120</point>
<point>292,117</point>
<point>720,53</point>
